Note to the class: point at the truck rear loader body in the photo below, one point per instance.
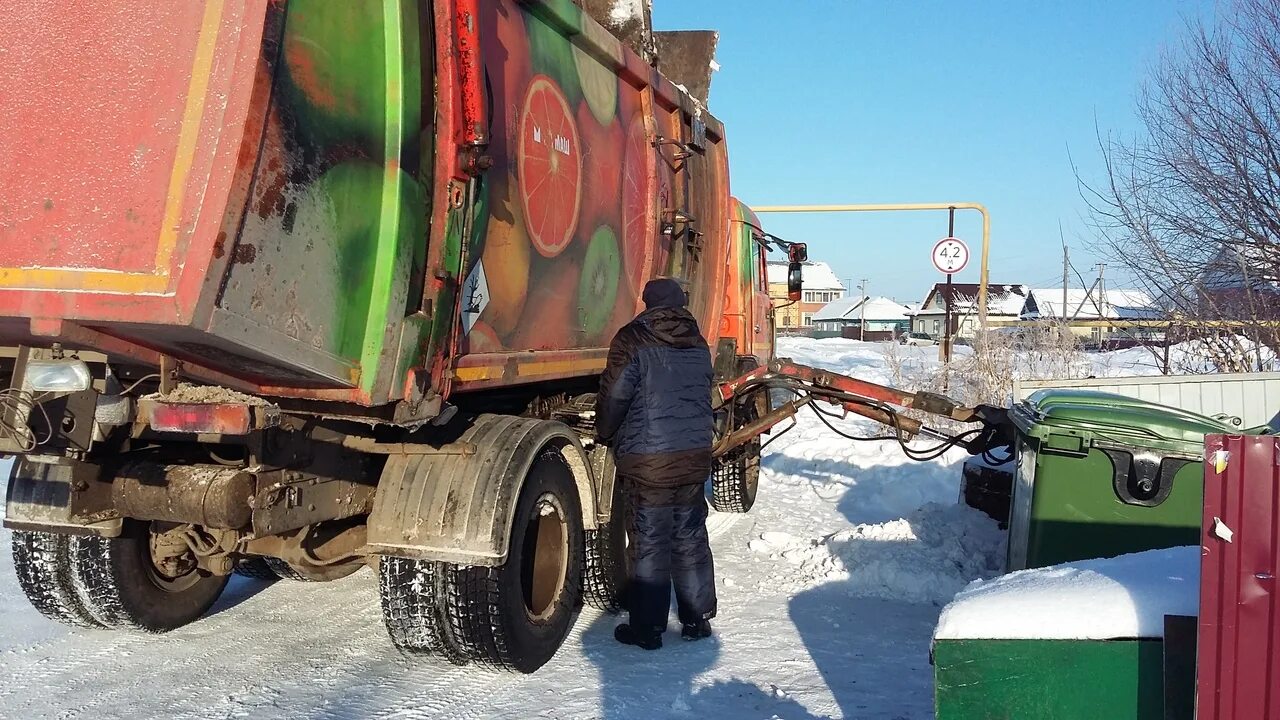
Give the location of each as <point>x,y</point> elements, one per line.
<point>292,288</point>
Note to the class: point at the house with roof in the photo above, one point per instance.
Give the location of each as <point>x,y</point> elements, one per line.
<point>1097,313</point>
<point>878,318</point>
<point>821,286</point>
<point>1004,305</point>
<point>1238,283</point>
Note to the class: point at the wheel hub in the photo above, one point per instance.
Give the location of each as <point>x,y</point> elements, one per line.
<point>546,557</point>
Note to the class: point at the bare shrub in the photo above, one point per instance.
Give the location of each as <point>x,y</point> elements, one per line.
<point>1188,209</point>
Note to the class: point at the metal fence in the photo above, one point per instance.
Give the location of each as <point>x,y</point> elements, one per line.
<point>1252,397</point>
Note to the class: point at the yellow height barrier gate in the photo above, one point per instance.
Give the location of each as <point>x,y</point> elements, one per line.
<point>909,207</point>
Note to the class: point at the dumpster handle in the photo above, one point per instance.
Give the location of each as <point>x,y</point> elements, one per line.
<point>1141,477</point>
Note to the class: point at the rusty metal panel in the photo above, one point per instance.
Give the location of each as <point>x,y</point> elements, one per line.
<point>1238,675</point>
<point>687,57</point>
<point>123,122</point>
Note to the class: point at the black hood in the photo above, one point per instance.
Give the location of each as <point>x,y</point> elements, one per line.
<point>673,326</point>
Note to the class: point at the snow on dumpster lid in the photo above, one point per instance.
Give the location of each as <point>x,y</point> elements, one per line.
<point>1122,597</point>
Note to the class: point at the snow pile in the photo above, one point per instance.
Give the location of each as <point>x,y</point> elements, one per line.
<point>862,360</point>
<point>624,11</point>
<point>1122,597</point>
<point>1188,357</point>
<point>926,557</point>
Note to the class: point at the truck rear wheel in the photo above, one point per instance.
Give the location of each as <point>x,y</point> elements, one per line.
<point>514,616</point>
<point>123,587</point>
<point>510,617</point>
<point>607,567</point>
<point>42,562</point>
<point>414,607</point>
<point>257,568</point>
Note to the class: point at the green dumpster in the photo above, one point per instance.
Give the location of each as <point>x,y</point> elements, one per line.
<point>1101,475</point>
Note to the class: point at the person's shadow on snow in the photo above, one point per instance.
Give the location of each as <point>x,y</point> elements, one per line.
<point>640,684</point>
<point>637,683</point>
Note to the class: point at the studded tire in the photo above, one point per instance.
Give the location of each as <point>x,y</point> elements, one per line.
<point>121,588</point>
<point>607,567</point>
<point>42,563</point>
<point>413,607</point>
<point>515,616</point>
<point>257,568</point>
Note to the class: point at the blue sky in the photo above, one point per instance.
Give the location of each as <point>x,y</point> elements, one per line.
<point>863,101</point>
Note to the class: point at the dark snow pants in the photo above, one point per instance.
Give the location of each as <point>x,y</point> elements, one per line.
<point>667,529</point>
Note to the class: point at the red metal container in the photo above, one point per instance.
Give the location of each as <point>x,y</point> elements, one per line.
<point>1238,663</point>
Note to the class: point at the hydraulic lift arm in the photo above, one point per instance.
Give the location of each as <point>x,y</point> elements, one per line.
<point>867,399</point>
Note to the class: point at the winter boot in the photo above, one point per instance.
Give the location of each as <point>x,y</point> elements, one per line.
<point>628,635</point>
<point>696,631</point>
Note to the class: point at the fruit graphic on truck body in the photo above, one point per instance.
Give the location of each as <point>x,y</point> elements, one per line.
<point>599,286</point>
<point>638,241</point>
<point>549,162</point>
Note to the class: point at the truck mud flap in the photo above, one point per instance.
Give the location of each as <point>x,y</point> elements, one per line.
<point>59,495</point>
<point>458,507</point>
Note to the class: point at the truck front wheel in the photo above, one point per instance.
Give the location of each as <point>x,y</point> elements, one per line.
<point>735,479</point>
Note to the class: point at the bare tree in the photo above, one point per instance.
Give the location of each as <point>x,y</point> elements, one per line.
<point>1192,208</point>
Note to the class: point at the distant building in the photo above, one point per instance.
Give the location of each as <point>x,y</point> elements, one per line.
<point>821,286</point>
<point>1004,305</point>
<point>884,318</point>
<point>1087,312</point>
<point>1238,283</point>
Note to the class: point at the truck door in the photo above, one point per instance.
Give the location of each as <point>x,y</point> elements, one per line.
<point>761,307</point>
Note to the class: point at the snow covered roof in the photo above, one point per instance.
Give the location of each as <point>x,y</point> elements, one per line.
<point>1083,305</point>
<point>1244,266</point>
<point>1122,597</point>
<point>817,275</point>
<point>1001,299</point>
<point>850,308</point>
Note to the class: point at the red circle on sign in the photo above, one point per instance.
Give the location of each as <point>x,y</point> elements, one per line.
<point>950,255</point>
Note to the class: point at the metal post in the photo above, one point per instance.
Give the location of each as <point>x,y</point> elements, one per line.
<point>946,331</point>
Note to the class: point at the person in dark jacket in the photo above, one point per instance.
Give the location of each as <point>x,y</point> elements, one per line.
<point>654,410</point>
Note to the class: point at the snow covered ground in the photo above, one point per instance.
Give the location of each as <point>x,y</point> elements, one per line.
<point>829,593</point>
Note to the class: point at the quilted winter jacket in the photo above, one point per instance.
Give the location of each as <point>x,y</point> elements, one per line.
<point>654,406</point>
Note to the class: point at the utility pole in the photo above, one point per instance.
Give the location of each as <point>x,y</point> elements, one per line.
<point>862,322</point>
<point>1102,287</point>
<point>1066,266</point>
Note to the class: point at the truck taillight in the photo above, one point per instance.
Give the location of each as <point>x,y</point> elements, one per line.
<point>209,418</point>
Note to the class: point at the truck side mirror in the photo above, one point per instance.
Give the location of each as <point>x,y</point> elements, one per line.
<point>795,280</point>
<point>797,253</point>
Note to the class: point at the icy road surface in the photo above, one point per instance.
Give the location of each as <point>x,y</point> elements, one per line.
<point>829,592</point>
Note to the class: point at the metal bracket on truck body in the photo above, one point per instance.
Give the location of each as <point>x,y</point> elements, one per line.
<point>459,507</point>
<point>50,493</point>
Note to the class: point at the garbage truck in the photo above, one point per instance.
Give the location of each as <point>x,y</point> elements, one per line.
<point>298,287</point>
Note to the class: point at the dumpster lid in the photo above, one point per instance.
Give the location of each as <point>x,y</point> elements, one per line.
<point>1105,416</point>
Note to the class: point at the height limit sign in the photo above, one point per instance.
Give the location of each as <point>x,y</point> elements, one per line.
<point>950,255</point>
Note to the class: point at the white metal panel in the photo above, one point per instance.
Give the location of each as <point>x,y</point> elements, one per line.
<point>1252,397</point>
